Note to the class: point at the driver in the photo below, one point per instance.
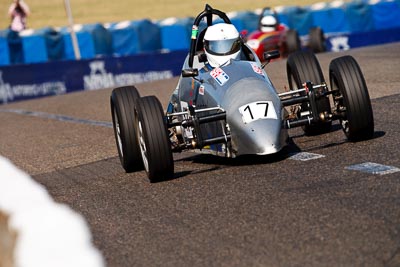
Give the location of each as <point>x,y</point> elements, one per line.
<point>268,24</point>
<point>222,43</point>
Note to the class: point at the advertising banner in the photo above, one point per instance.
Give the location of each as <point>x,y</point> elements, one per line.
<point>26,81</point>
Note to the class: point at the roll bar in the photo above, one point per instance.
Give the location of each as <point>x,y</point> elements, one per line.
<point>208,13</point>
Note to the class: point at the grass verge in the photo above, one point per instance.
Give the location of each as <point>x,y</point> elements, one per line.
<point>52,12</point>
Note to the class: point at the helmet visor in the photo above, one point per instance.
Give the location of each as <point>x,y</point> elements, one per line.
<point>222,47</point>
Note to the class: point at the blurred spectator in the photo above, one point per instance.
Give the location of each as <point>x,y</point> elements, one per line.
<point>18,12</point>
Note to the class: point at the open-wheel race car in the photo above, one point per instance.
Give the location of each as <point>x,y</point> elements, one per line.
<point>271,34</point>
<point>233,109</point>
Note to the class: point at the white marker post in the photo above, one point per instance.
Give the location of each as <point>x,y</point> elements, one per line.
<point>77,52</point>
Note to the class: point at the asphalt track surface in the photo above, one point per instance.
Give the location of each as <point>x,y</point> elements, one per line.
<point>252,211</point>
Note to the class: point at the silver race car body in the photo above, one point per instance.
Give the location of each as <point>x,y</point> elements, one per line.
<point>243,91</point>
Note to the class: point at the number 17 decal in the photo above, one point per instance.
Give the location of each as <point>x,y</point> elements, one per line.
<point>257,111</point>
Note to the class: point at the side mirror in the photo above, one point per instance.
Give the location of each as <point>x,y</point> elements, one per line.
<point>190,72</point>
<point>271,55</point>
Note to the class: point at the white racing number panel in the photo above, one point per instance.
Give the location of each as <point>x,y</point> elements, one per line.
<point>257,111</point>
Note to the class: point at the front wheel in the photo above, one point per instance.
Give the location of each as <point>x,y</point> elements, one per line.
<point>302,67</point>
<point>316,40</point>
<point>122,102</point>
<point>352,99</point>
<point>293,43</point>
<point>154,142</point>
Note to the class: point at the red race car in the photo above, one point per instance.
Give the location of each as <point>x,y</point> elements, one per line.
<point>273,35</point>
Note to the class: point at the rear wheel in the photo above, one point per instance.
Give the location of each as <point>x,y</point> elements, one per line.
<point>317,40</point>
<point>293,43</point>
<point>154,142</point>
<point>352,99</point>
<point>302,67</point>
<point>123,116</point>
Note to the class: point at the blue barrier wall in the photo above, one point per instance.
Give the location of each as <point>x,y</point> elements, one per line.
<point>26,81</point>
<point>249,20</point>
<point>175,33</point>
<point>386,15</point>
<point>4,51</point>
<point>284,15</point>
<point>54,43</point>
<point>359,16</point>
<point>133,37</point>
<point>85,44</point>
<point>331,19</point>
<point>14,47</point>
<point>34,48</point>
<point>102,39</point>
<point>300,19</point>
<point>243,20</point>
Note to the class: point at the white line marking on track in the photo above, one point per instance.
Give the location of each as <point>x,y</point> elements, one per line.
<point>58,117</point>
<point>373,168</point>
<point>305,156</point>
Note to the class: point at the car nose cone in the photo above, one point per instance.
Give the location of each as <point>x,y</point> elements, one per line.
<point>254,118</point>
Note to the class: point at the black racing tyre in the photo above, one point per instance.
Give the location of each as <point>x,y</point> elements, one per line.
<point>316,40</point>
<point>292,41</point>
<point>123,117</point>
<point>153,137</point>
<point>301,67</point>
<point>352,98</point>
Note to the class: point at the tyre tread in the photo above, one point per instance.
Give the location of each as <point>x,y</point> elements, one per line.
<point>346,72</point>
<point>157,142</point>
<point>123,100</point>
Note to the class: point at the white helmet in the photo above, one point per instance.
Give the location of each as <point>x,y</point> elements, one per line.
<point>268,23</point>
<point>222,43</point>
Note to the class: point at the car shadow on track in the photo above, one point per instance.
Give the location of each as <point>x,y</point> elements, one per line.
<point>244,159</point>
<point>182,174</point>
<point>334,138</point>
<point>218,162</point>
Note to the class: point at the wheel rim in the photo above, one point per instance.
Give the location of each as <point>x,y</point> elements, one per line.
<point>304,106</point>
<point>142,145</point>
<point>118,133</point>
<point>345,125</point>
<point>340,107</point>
